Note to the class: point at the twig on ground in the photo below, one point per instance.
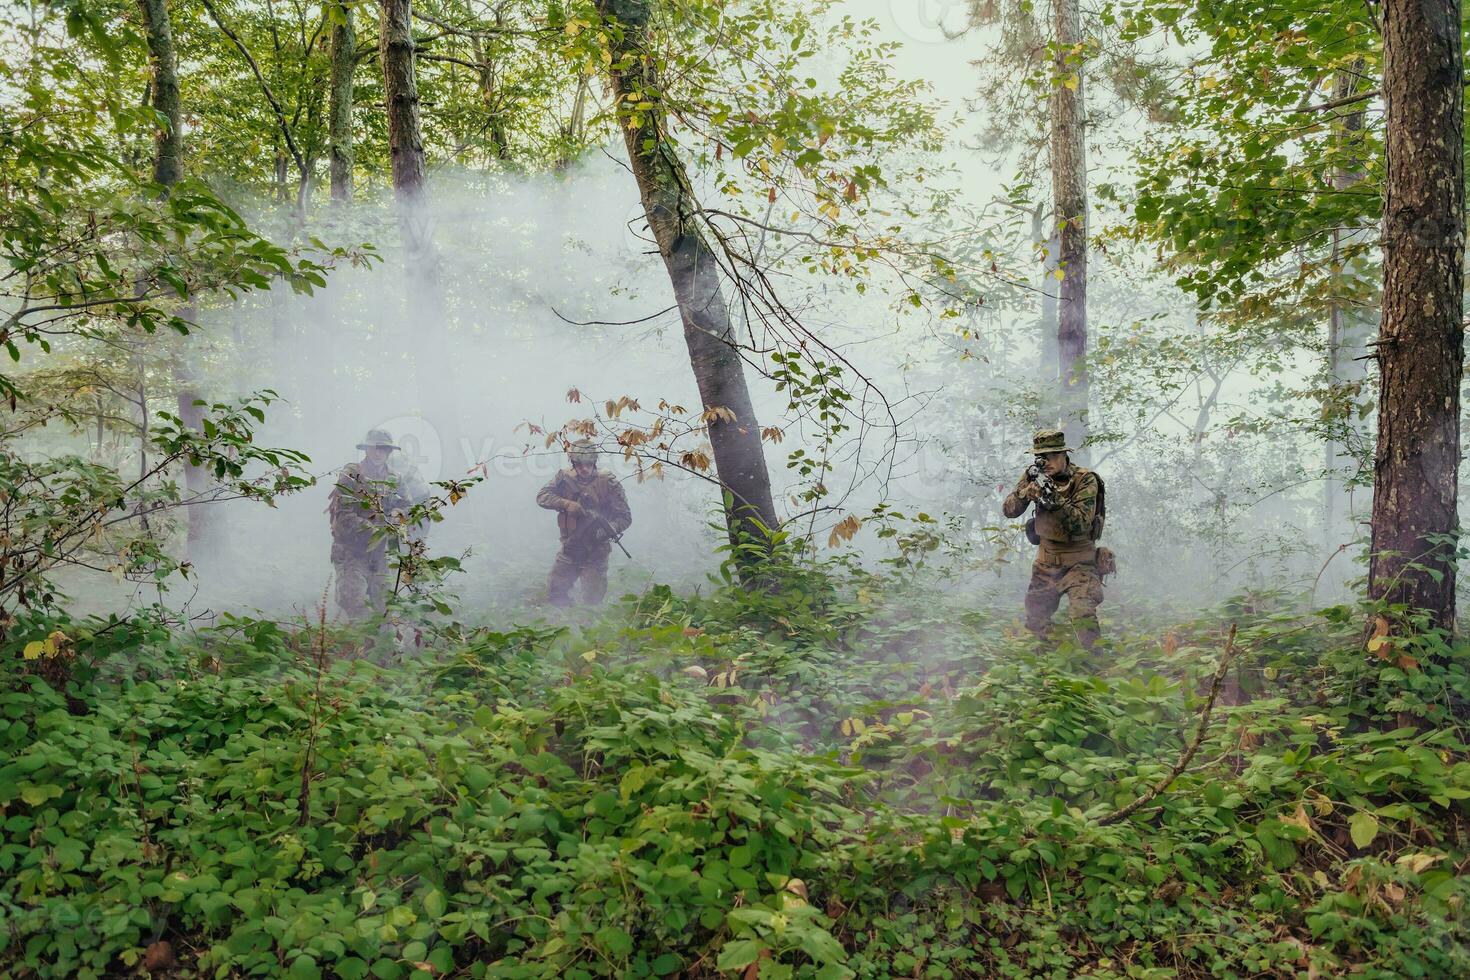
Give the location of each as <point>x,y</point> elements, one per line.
<point>1194,744</point>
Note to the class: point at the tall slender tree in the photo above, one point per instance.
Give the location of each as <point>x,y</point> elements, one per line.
<point>1068,142</point>
<point>343,45</point>
<point>168,169</point>
<point>674,218</point>
<point>1045,241</point>
<point>1421,346</point>
<point>1350,321</point>
<point>433,365</point>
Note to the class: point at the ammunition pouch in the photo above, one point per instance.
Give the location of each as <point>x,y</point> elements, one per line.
<point>1106,562</point>
<point>1031,534</point>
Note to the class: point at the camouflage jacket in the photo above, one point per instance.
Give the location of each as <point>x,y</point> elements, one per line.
<point>361,503</point>
<point>602,495</point>
<point>1069,523</point>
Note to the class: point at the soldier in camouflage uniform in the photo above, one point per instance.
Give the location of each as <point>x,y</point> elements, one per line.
<point>366,499</point>
<point>1066,533</point>
<point>591,510</point>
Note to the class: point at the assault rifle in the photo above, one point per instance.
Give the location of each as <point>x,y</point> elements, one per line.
<point>615,536</point>
<point>1048,487</point>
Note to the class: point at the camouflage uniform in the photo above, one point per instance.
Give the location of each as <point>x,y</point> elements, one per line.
<point>1066,559</point>
<point>364,496</point>
<point>585,541</point>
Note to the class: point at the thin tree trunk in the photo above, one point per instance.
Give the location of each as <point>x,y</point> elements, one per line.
<point>672,213</point>
<point>1350,323</point>
<point>168,144</point>
<point>572,135</point>
<point>1421,349</point>
<point>168,166</point>
<point>1047,381</point>
<point>339,103</point>
<point>1069,194</point>
<point>433,366</point>
<point>490,97</point>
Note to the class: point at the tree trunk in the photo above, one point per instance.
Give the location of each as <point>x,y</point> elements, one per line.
<point>339,111</point>
<point>168,144</point>
<point>491,97</point>
<point>1421,348</point>
<point>1047,381</point>
<point>1350,321</point>
<point>205,531</point>
<point>672,212</point>
<point>168,167</point>
<point>432,363</point>
<point>1069,196</point>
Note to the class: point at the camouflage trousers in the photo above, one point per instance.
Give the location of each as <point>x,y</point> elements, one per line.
<point>1079,582</point>
<point>362,582</point>
<point>589,565</point>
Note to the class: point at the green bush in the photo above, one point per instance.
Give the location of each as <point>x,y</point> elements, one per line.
<point>680,788</point>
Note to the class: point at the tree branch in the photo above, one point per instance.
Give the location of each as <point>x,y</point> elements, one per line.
<point>1199,736</point>
<point>264,86</point>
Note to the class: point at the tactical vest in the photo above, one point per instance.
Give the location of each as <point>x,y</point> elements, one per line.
<point>350,508</point>
<point>1055,541</point>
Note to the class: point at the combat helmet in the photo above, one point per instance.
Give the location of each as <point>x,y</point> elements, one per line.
<point>377,439</point>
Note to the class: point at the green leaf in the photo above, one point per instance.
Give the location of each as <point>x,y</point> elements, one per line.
<point>36,795</point>
<point>434,904</point>
<point>1363,826</point>
<point>740,953</point>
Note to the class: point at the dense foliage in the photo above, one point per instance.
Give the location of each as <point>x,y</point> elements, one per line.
<point>851,776</point>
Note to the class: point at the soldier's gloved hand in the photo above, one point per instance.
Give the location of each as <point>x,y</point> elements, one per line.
<point>1031,491</point>
<point>574,508</point>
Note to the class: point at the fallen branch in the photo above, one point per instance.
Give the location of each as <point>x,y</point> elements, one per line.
<point>1194,744</point>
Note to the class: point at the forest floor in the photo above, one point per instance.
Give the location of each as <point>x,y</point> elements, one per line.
<point>852,775</point>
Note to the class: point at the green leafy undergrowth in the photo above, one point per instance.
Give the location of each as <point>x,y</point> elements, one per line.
<point>870,783</point>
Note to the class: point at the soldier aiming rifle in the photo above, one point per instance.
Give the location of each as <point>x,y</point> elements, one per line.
<point>592,514</point>
<point>1070,507</point>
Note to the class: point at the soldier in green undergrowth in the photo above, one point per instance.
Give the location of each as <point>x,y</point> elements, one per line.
<point>1070,509</point>
<point>369,497</point>
<point>592,512</point>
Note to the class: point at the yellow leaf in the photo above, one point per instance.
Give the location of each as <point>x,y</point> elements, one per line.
<point>1071,82</point>
<point>1416,862</point>
<point>1380,644</point>
<point>33,649</point>
<point>1299,819</point>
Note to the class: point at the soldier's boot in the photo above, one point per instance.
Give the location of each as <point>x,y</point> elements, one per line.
<point>564,572</point>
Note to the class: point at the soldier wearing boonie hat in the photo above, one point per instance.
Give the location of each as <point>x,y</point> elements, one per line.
<point>1069,506</point>
<point>363,502</point>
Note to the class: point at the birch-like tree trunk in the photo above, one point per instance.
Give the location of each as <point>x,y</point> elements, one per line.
<point>343,46</point>
<point>1421,347</point>
<point>673,217</point>
<point>1069,202</point>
